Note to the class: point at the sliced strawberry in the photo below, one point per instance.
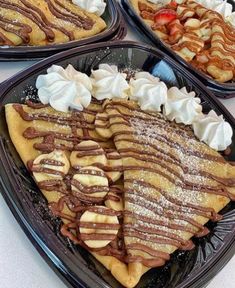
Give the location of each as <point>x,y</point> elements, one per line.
<point>172,4</point>
<point>164,16</point>
<point>175,26</point>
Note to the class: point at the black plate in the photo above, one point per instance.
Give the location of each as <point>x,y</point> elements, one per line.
<point>223,90</point>
<point>111,16</point>
<point>74,265</point>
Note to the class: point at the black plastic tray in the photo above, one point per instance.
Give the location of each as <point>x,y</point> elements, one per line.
<point>223,90</point>
<point>76,267</point>
<point>111,16</point>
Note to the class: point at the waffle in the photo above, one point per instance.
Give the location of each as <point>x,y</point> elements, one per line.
<point>130,186</point>
<point>197,34</point>
<point>44,22</point>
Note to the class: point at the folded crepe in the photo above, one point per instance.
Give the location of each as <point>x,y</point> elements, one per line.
<point>42,22</point>
<point>130,186</point>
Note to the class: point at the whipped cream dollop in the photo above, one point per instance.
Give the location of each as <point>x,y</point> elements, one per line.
<point>181,106</point>
<point>213,130</point>
<point>148,91</point>
<point>109,83</point>
<point>92,6</point>
<point>64,88</point>
<point>221,6</point>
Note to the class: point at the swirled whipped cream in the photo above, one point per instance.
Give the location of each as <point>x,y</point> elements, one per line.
<point>224,8</point>
<point>148,91</point>
<point>92,6</point>
<point>181,106</point>
<point>64,88</point>
<point>109,83</point>
<point>213,130</point>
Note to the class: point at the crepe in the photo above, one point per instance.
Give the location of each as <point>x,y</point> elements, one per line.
<point>151,183</point>
<point>43,22</point>
<point>199,35</point>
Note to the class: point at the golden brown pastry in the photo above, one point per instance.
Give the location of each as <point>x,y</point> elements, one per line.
<point>43,22</point>
<point>172,184</point>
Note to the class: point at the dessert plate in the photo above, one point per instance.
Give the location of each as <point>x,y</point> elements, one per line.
<point>111,16</point>
<point>73,264</point>
<point>223,90</point>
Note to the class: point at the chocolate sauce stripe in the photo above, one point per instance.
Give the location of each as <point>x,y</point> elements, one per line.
<point>88,189</point>
<point>19,32</point>
<point>84,148</point>
<point>148,250</point>
<point>159,123</point>
<point>31,15</point>
<point>97,236</point>
<point>90,172</point>
<point>158,222</point>
<point>155,231</point>
<point>46,21</point>
<point>86,22</point>
<point>32,133</point>
<point>136,154</point>
<point>96,225</point>
<point>41,169</point>
<point>172,216</point>
<point>173,200</point>
<point>189,186</point>
<point>104,211</point>
<point>155,262</point>
<point>87,199</point>
<point>172,145</point>
<point>153,239</point>
<point>171,206</point>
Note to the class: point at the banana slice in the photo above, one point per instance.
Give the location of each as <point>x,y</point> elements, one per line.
<point>87,153</point>
<point>90,184</point>
<point>114,165</point>
<point>54,165</point>
<point>95,236</point>
<point>102,125</point>
<point>114,198</point>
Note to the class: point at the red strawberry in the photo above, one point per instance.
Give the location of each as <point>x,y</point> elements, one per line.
<point>172,5</point>
<point>175,26</point>
<point>164,16</point>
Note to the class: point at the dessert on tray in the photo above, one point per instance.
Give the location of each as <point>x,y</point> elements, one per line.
<point>121,163</point>
<point>44,22</point>
<point>201,32</point>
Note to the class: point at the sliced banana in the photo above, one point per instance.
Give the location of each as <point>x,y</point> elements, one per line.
<point>54,165</point>
<point>98,218</point>
<point>89,183</point>
<point>102,125</point>
<point>88,153</point>
<point>114,198</point>
<point>114,165</point>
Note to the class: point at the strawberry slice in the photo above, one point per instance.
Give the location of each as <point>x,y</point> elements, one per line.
<point>173,4</point>
<point>164,16</point>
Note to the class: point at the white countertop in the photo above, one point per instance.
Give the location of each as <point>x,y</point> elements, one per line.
<point>20,264</point>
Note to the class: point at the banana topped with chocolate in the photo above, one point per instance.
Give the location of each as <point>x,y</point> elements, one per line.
<point>44,22</point>
<point>130,184</point>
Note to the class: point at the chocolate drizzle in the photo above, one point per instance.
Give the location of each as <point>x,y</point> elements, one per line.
<point>45,16</point>
<point>152,213</point>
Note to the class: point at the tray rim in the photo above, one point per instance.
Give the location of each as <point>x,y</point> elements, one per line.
<point>223,256</point>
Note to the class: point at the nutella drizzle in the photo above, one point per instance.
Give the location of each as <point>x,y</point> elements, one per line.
<point>78,198</point>
<point>35,14</point>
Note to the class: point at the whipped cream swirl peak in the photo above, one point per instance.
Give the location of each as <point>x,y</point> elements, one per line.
<point>213,130</point>
<point>64,88</point>
<point>148,91</point>
<point>109,83</point>
<point>93,6</point>
<point>181,106</point>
